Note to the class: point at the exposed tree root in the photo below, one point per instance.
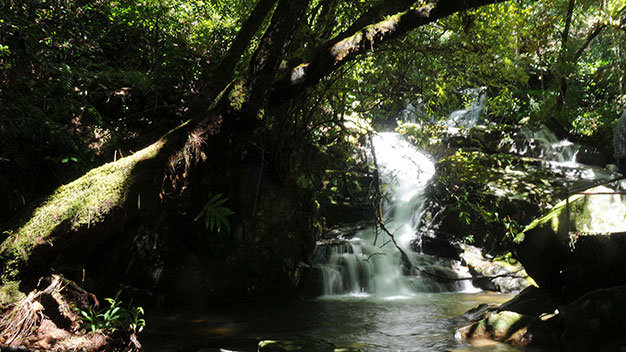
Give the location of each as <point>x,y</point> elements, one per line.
<point>26,315</point>
<point>49,320</point>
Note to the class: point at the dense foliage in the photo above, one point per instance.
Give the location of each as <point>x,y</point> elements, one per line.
<point>84,82</point>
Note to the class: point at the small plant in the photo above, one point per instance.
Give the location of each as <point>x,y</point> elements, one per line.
<point>115,317</point>
<point>215,214</point>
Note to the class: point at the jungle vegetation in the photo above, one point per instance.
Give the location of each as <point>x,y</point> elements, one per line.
<point>169,106</point>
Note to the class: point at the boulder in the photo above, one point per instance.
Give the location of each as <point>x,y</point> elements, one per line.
<point>430,244</point>
<point>591,155</point>
<point>481,198</point>
<point>509,274</point>
<point>595,322</point>
<point>508,327</point>
<point>532,301</point>
<point>579,245</point>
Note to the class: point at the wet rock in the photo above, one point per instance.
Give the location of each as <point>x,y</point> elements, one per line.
<point>345,231</point>
<point>480,312</point>
<point>429,244</point>
<point>510,327</point>
<point>295,344</point>
<point>511,274</point>
<point>591,155</point>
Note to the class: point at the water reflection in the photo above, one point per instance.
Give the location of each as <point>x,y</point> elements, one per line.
<point>423,322</point>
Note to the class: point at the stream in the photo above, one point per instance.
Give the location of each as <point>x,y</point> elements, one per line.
<point>376,290</point>
<point>372,299</point>
<point>423,322</point>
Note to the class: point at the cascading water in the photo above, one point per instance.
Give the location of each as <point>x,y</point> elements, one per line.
<point>544,144</point>
<point>469,116</point>
<point>558,154</point>
<point>369,263</point>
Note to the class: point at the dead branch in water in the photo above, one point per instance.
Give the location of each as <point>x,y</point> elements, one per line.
<point>406,260</point>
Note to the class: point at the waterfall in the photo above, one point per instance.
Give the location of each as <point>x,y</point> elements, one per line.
<point>469,116</point>
<point>544,144</point>
<point>369,263</point>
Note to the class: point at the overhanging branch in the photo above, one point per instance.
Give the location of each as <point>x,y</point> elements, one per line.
<point>336,53</point>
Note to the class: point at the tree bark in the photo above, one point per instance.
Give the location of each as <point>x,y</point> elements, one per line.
<point>272,50</point>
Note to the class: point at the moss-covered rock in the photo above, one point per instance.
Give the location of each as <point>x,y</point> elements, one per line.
<point>508,327</point>
<point>570,247</point>
<point>539,317</point>
<point>441,141</point>
<point>508,274</point>
<point>482,198</point>
<point>512,328</point>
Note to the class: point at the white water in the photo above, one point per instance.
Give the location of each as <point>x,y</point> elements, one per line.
<point>369,264</point>
<point>469,116</point>
<point>544,144</point>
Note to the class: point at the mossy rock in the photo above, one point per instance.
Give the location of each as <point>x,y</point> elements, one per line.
<point>510,327</point>
<point>483,198</point>
<point>575,250</point>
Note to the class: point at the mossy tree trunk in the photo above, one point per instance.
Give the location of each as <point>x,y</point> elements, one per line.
<point>132,221</point>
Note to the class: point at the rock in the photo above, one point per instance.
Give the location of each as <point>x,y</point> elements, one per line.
<point>510,327</point>
<point>345,231</point>
<point>478,198</point>
<point>480,312</point>
<point>596,261</point>
<point>439,247</point>
<point>596,321</point>
<point>591,155</point>
<point>296,344</point>
<point>481,266</point>
<point>574,252</point>
<point>532,301</point>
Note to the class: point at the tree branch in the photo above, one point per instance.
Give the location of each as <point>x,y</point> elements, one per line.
<point>250,27</point>
<point>338,51</point>
<point>590,37</point>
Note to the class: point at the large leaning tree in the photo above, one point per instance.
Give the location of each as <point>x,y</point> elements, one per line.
<point>160,220</point>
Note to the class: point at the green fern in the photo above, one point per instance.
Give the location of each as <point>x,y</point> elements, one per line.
<point>215,214</point>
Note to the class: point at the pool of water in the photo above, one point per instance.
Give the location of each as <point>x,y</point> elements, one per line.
<point>423,322</point>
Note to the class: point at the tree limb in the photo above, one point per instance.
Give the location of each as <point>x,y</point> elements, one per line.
<point>338,51</point>
<point>250,27</point>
